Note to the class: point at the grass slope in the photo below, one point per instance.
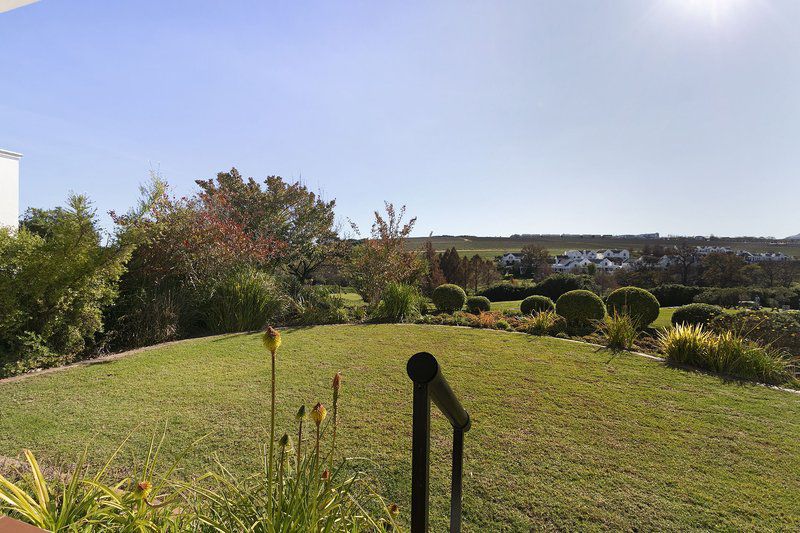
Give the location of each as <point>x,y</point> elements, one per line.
<point>563,436</point>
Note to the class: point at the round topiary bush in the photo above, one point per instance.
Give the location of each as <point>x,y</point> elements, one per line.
<point>696,314</point>
<point>637,303</point>
<point>580,307</point>
<point>448,298</point>
<point>536,304</point>
<point>478,304</point>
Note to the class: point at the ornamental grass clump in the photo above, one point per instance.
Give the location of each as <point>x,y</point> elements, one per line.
<point>619,331</point>
<point>294,491</point>
<point>727,353</point>
<point>543,323</point>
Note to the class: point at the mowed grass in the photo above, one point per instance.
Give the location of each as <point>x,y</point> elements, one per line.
<point>564,436</point>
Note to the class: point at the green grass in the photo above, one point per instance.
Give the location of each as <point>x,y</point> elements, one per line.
<point>664,319</point>
<point>564,436</point>
<point>502,306</point>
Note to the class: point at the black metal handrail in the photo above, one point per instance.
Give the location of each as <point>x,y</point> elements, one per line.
<point>430,384</point>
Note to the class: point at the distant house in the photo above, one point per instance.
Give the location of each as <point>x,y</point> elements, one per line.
<point>580,260</point>
<point>509,260</point>
<point>705,250</point>
<point>617,254</point>
<point>9,188</point>
<point>763,257</point>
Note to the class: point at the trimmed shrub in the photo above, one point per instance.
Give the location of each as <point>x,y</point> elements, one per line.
<point>476,304</point>
<point>448,298</point>
<point>640,305</point>
<point>536,304</point>
<point>399,303</point>
<point>779,330</point>
<point>557,284</point>
<point>673,294</point>
<point>696,314</point>
<point>580,308</point>
<point>507,292</point>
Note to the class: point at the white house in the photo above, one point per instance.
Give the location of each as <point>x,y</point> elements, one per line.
<point>9,188</point>
<point>705,250</point>
<point>617,254</point>
<point>509,259</point>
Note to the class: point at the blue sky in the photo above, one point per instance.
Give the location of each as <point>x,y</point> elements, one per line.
<point>489,118</point>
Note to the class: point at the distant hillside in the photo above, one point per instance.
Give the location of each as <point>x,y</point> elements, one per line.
<point>489,247</point>
<point>793,238</point>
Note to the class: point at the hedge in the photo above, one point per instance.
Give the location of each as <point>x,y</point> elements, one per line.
<point>673,294</point>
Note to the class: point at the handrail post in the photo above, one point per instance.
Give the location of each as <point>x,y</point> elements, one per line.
<point>455,480</point>
<point>430,385</point>
<point>420,462</point>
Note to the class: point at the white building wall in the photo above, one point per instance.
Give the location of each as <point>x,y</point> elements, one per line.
<point>9,188</point>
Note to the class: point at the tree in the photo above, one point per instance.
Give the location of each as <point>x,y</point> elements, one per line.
<point>779,273</point>
<point>685,260</point>
<point>383,258</point>
<point>62,279</point>
<point>434,276</point>
<point>723,270</point>
<point>535,261</point>
<point>450,263</point>
<point>282,212</point>
<point>475,265</point>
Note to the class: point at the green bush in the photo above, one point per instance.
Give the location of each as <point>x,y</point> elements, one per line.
<point>700,314</point>
<point>507,291</point>
<point>320,305</point>
<point>724,297</point>
<point>536,304</point>
<point>557,284</point>
<point>399,303</point>
<point>476,304</point>
<point>448,298</point>
<point>579,308</point>
<point>637,303</point>
<point>726,353</point>
<point>246,300</point>
<point>776,329</point>
<point>673,294</point>
<point>56,280</point>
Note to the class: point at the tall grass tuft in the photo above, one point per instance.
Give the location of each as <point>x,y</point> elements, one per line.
<point>619,331</point>
<point>399,303</point>
<point>245,301</point>
<point>726,353</point>
<point>543,323</point>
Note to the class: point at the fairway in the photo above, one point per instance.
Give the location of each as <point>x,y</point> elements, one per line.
<point>564,436</point>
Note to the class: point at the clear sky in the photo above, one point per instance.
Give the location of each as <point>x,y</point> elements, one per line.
<point>488,118</point>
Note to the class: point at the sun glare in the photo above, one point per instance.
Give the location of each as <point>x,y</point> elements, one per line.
<point>714,12</point>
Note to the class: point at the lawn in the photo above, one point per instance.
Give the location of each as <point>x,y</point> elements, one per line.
<point>564,436</point>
